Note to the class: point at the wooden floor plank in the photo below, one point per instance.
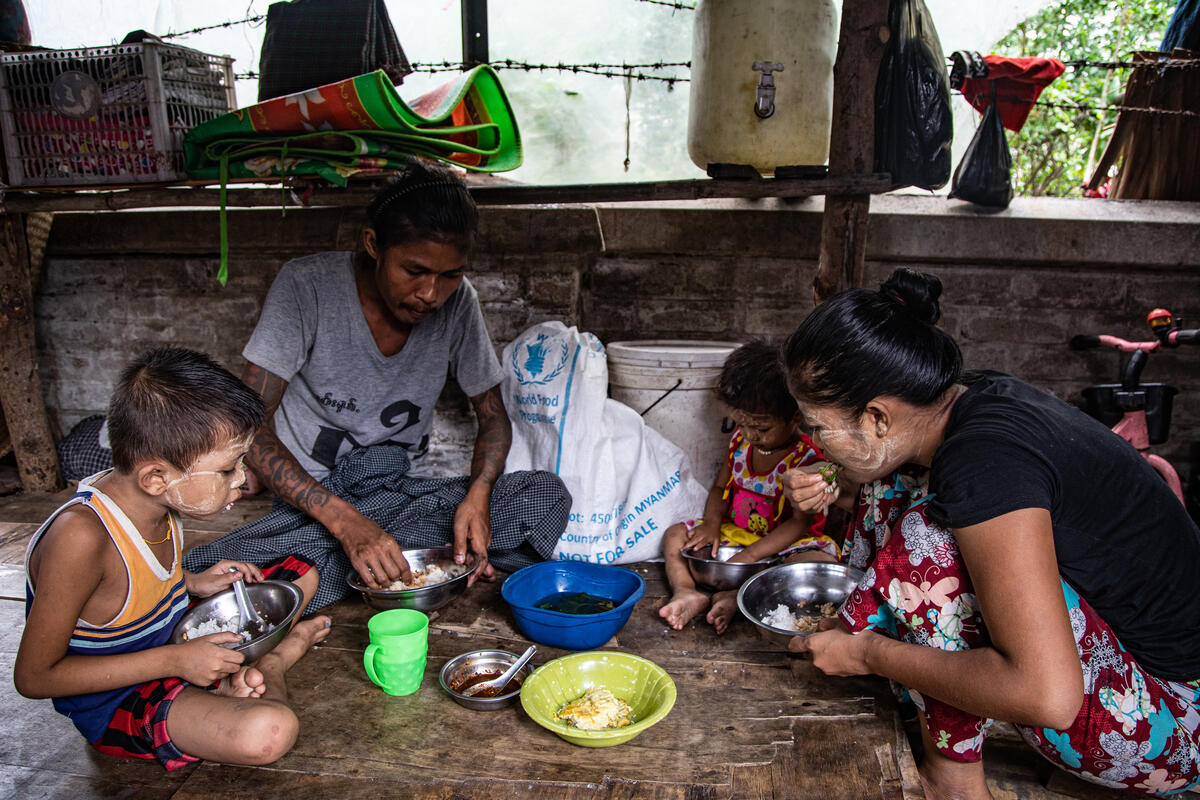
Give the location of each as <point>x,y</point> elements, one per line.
<point>750,721</point>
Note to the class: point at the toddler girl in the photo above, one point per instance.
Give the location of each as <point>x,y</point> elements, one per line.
<point>746,506</point>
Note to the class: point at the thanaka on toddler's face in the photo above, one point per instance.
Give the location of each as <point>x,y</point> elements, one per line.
<point>212,483</point>
<point>765,431</point>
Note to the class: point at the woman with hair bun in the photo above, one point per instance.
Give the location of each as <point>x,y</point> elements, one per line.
<point>1023,562</point>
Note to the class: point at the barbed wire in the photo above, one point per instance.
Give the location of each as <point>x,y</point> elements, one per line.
<point>1165,62</point>
<point>594,68</point>
<point>229,24</point>
<point>1090,107</point>
<point>603,70</point>
<point>1139,109</point>
<point>626,71</point>
<point>260,17</point>
<point>1158,63</point>
<point>671,3</point>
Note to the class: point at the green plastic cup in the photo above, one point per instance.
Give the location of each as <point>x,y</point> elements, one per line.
<point>395,658</point>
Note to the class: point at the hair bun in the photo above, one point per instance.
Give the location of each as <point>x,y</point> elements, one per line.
<point>916,291</point>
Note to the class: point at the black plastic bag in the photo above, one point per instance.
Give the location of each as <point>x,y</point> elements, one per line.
<point>913,122</point>
<point>310,43</point>
<point>984,176</point>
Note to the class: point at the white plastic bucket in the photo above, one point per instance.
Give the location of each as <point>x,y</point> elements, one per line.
<point>672,384</point>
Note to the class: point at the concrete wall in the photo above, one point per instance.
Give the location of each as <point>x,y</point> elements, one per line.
<point>1018,283</point>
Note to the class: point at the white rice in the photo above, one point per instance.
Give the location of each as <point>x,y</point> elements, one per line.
<point>422,577</point>
<point>210,626</point>
<point>782,617</point>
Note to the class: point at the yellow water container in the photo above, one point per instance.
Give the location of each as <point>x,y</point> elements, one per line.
<point>762,83</point>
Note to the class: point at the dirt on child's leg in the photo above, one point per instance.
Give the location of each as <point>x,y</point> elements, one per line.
<point>686,600</point>
<point>252,730</point>
<point>724,608</point>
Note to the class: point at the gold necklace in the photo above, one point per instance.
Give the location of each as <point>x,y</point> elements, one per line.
<point>163,539</point>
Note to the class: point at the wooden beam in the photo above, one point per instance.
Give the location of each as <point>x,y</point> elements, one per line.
<point>20,387</point>
<point>474,32</point>
<point>864,32</point>
<point>491,194</point>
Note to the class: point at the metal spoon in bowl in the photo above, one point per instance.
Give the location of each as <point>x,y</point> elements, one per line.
<point>251,621</point>
<point>502,681</point>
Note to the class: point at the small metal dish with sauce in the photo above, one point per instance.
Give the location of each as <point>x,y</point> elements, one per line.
<point>464,671</point>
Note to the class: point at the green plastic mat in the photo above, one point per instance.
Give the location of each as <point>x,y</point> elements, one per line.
<point>356,125</point>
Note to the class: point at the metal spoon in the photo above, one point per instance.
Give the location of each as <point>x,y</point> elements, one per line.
<point>502,681</point>
<point>250,619</point>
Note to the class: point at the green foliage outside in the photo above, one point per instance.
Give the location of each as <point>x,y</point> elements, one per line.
<point>1055,151</point>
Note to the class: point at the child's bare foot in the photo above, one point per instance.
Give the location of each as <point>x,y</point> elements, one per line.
<point>724,605</point>
<point>302,636</point>
<point>682,607</point>
<point>246,682</point>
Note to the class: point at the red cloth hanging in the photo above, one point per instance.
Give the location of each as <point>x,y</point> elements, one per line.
<point>1019,82</point>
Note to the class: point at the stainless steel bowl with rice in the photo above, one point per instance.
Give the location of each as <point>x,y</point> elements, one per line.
<point>806,591</point>
<point>277,602</point>
<point>437,580</point>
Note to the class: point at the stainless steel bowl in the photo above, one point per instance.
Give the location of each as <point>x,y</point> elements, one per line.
<point>479,662</point>
<point>811,583</point>
<point>424,598</point>
<point>278,602</point>
<point>717,573</point>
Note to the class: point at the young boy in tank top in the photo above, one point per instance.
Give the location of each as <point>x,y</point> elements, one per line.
<point>105,587</point>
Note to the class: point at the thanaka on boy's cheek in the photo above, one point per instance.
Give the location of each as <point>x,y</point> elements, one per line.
<point>212,484</point>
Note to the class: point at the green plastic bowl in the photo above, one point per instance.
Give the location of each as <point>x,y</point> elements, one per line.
<point>644,685</point>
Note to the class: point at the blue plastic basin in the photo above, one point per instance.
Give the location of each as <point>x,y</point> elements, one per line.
<point>526,587</point>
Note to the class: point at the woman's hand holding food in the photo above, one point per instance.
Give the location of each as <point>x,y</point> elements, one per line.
<point>706,534</point>
<point>813,488</point>
<point>836,651</point>
<point>219,577</point>
<point>204,661</point>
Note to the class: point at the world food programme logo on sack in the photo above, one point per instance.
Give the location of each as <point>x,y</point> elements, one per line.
<point>536,364</point>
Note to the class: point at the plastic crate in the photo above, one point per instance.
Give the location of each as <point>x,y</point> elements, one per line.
<point>106,115</point>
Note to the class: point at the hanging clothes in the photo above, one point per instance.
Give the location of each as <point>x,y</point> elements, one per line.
<point>1184,28</point>
<point>1018,82</point>
<point>310,43</point>
<point>14,23</point>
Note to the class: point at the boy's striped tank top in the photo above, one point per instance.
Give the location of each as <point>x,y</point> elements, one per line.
<point>154,603</point>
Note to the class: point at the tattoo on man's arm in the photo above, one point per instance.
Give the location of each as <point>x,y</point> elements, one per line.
<point>283,473</point>
<point>269,458</point>
<point>267,384</point>
<point>494,437</point>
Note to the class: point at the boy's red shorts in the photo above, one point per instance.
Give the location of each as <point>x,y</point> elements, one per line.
<point>138,729</point>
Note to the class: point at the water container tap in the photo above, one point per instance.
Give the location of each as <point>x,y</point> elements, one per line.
<point>764,95</point>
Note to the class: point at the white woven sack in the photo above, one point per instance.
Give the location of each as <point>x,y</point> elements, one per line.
<point>627,482</point>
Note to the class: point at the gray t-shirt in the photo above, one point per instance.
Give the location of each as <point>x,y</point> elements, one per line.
<point>342,392</point>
